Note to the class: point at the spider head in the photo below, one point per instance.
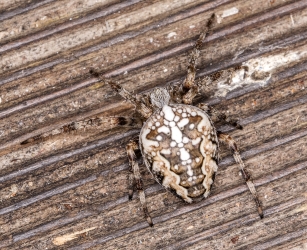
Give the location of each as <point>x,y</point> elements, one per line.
<point>159,97</point>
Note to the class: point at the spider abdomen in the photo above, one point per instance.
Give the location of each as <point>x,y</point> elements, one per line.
<point>180,148</point>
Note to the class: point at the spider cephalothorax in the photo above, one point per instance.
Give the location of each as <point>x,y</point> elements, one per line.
<point>179,142</point>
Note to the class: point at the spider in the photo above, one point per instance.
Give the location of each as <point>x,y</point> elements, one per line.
<point>179,142</point>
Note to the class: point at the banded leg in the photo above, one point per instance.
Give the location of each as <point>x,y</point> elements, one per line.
<point>135,179</point>
<point>236,155</point>
<point>142,106</point>
<point>189,88</point>
<point>218,116</point>
<point>88,123</point>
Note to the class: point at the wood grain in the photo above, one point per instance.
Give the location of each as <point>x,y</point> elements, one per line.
<point>69,191</point>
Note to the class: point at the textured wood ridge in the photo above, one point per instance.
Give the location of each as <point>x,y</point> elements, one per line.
<point>69,191</point>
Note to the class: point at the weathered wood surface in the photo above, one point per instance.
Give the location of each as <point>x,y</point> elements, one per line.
<point>70,191</point>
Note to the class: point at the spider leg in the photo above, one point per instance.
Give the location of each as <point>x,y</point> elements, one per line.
<point>236,155</point>
<point>218,116</point>
<point>142,106</point>
<point>189,89</point>
<point>135,179</point>
<point>88,123</point>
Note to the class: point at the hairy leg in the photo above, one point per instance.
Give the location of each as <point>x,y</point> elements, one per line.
<point>135,179</point>
<point>142,104</point>
<point>189,89</point>
<point>236,155</point>
<point>83,125</point>
<point>218,116</point>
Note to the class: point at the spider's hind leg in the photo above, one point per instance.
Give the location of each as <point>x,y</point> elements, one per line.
<point>135,179</point>
<point>218,116</point>
<point>236,155</point>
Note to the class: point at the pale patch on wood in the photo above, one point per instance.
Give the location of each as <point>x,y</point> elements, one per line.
<point>230,12</point>
<point>300,209</point>
<point>272,62</point>
<point>259,70</point>
<point>61,240</point>
<point>226,13</point>
<point>171,34</point>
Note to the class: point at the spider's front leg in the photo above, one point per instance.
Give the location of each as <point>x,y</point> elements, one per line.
<point>135,179</point>
<point>83,125</point>
<point>189,89</point>
<point>236,155</point>
<point>141,105</point>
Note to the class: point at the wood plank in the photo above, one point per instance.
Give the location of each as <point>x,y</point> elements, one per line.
<point>69,190</point>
